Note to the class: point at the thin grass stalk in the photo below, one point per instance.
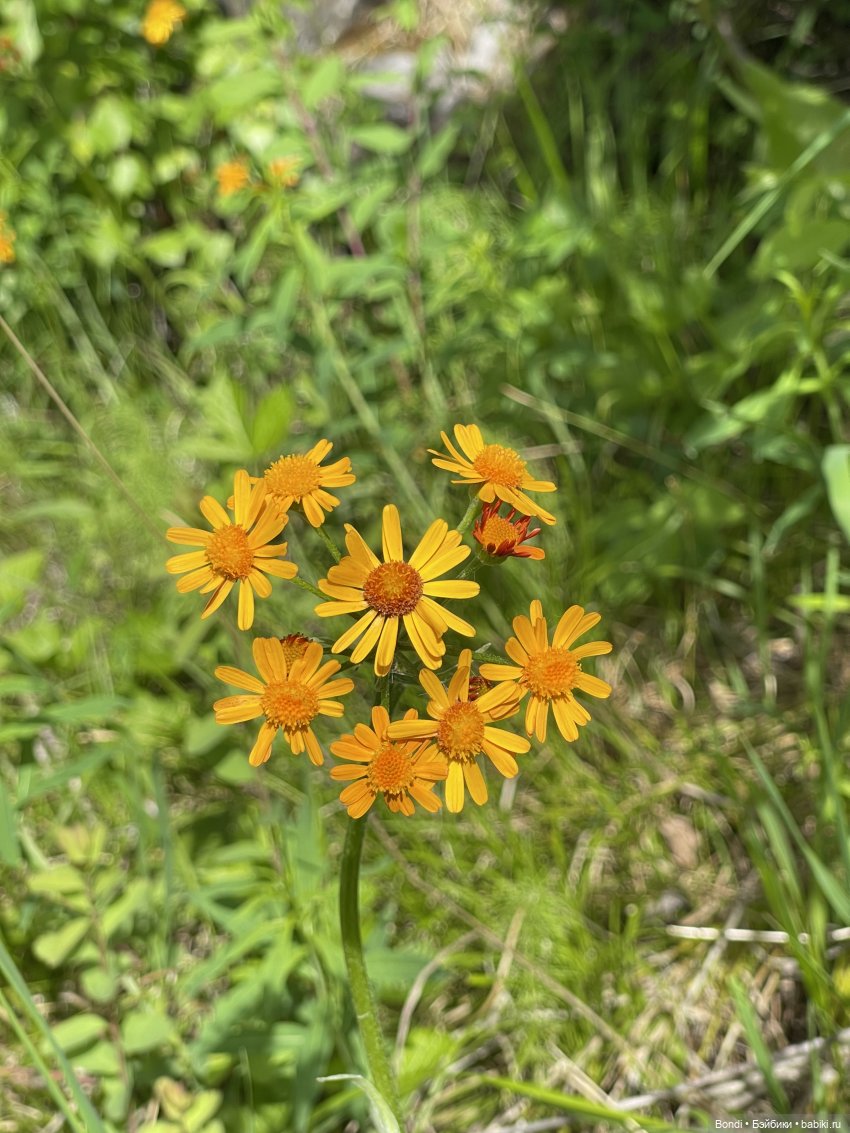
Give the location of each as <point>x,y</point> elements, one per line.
<point>91,1123</point>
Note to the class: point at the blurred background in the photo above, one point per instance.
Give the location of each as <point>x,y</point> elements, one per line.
<point>613,233</point>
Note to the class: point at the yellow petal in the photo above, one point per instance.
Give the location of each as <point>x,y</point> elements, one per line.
<point>217,598</point>
<point>245,612</point>
<point>475,782</point>
<point>454,788</point>
<point>239,679</point>
<point>269,658</point>
<point>214,513</point>
<point>391,535</point>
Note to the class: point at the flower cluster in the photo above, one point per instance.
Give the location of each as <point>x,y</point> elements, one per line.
<point>397,600</point>
<point>235,175</point>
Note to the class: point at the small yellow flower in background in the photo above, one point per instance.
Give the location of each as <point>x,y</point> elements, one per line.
<point>552,672</point>
<point>401,771</point>
<point>284,171</point>
<point>302,480</point>
<point>161,19</point>
<point>7,241</point>
<point>238,550</point>
<point>501,536</point>
<point>397,590</point>
<point>290,696</point>
<point>500,471</point>
<point>460,730</point>
<point>232,176</point>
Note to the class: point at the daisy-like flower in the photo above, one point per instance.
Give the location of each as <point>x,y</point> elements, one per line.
<point>302,480</point>
<point>551,673</point>
<point>500,471</point>
<point>238,550</point>
<point>501,536</point>
<point>399,770</point>
<point>290,696</point>
<point>461,729</point>
<point>161,19</point>
<point>397,590</point>
<point>232,176</point>
<point>7,241</point>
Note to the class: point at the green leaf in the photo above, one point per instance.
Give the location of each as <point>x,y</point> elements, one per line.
<point>752,1028</point>
<point>101,1059</point>
<point>89,710</point>
<point>110,126</point>
<point>836,472</point>
<point>379,1107</point>
<point>205,1105</point>
<point>436,151</point>
<point>53,948</point>
<point>229,96</point>
<point>382,137</point>
<point>99,985</point>
<point>135,897</point>
<point>272,420</point>
<point>10,853</point>
<point>144,1030</point>
<point>326,80</point>
<point>60,880</point>
<point>78,1032</point>
<point>18,573</point>
<point>793,115</point>
<point>581,1107</point>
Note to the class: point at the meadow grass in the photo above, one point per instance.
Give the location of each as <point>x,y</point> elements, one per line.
<point>661,331</point>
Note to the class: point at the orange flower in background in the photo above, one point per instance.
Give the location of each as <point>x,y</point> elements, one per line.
<point>500,536</point>
<point>294,646</point>
<point>161,19</point>
<point>284,171</point>
<point>461,730</point>
<point>499,471</point>
<point>397,591</point>
<point>401,771</point>
<point>7,241</point>
<point>238,550</point>
<point>232,176</point>
<point>551,673</point>
<point>302,481</point>
<point>290,695</point>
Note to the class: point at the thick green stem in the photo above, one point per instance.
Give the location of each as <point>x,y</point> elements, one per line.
<point>469,515</point>
<point>358,978</point>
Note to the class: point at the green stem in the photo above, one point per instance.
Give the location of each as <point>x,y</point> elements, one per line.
<point>358,978</point>
<point>329,543</point>
<point>305,585</point>
<point>469,515</point>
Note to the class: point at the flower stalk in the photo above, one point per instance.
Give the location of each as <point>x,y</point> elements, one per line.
<point>358,978</point>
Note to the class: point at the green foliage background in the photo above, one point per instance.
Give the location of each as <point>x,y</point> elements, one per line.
<point>634,269</point>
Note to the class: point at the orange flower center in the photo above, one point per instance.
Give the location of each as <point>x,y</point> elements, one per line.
<point>461,732</point>
<point>551,674</point>
<point>500,466</point>
<point>294,646</point>
<point>391,770</point>
<point>289,704</point>
<point>393,589</point>
<point>497,532</point>
<point>295,476</point>
<point>228,552</point>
